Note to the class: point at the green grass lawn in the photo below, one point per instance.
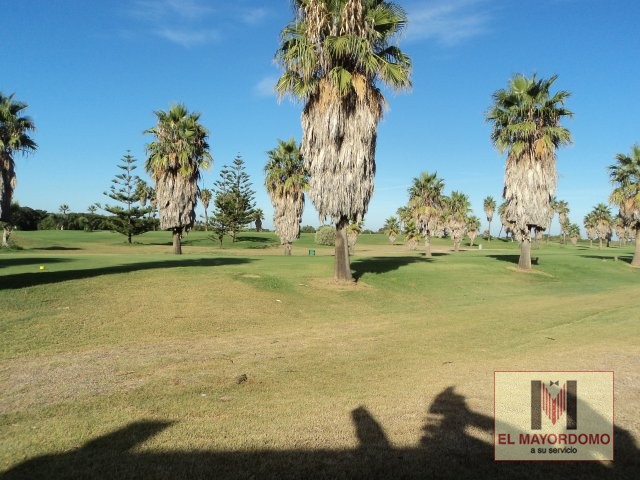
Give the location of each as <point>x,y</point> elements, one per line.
<point>124,361</point>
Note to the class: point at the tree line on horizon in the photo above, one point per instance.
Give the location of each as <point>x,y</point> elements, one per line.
<point>334,55</point>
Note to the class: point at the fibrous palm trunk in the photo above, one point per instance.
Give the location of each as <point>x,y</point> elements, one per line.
<point>177,244</point>
<point>525,254</point>
<point>636,255</point>
<point>338,146</point>
<point>427,245</point>
<point>342,268</point>
<point>287,248</point>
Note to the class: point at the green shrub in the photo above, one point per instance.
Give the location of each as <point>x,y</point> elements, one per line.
<point>326,235</point>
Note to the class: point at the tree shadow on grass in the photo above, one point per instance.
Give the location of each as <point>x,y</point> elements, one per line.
<point>26,260</point>
<point>621,258</point>
<point>56,248</point>
<point>506,258</point>
<point>378,265</point>
<point>447,450</point>
<point>21,280</point>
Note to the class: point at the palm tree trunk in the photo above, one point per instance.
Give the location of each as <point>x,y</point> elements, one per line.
<point>500,232</point>
<point>206,221</point>
<point>342,268</point>
<point>636,255</point>
<point>489,231</point>
<point>287,249</point>
<point>525,254</point>
<point>600,244</point>
<point>177,245</point>
<point>6,233</point>
<point>427,245</point>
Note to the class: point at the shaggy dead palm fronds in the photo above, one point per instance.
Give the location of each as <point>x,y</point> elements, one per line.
<point>174,162</point>
<point>333,55</point>
<point>286,180</point>
<point>525,120</point>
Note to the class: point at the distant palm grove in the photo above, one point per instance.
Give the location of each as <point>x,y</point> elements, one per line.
<point>335,57</point>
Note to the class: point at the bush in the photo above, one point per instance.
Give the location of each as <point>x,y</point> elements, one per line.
<point>326,235</point>
<point>307,229</point>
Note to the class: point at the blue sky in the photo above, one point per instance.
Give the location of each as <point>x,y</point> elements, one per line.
<point>93,72</point>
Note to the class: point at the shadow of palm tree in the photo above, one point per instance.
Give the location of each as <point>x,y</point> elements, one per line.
<point>57,248</point>
<point>447,450</point>
<point>622,258</point>
<point>18,261</point>
<point>22,280</point>
<point>377,265</point>
<point>505,258</point>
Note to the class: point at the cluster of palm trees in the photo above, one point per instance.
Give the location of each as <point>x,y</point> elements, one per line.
<point>430,213</point>
<point>334,55</point>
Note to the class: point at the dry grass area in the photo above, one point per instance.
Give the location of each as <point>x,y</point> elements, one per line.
<point>135,372</point>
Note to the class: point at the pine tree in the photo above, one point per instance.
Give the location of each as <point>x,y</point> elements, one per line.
<point>129,218</point>
<point>234,207</point>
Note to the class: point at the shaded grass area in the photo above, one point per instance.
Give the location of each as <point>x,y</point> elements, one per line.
<point>127,365</point>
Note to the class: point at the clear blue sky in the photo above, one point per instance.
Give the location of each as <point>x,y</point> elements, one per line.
<point>93,72</point>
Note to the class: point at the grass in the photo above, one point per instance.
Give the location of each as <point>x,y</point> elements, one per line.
<point>122,361</point>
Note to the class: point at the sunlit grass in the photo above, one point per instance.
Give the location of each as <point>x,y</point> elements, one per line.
<point>109,334</point>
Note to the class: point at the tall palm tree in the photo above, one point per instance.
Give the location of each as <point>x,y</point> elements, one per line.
<point>625,175</point>
<point>175,157</point>
<point>205,198</point>
<point>14,138</point>
<point>561,207</point>
<point>426,202</point>
<point>457,210</point>
<point>489,205</point>
<point>526,123</point>
<point>391,228</point>
<point>333,54</point>
<point>286,181</point>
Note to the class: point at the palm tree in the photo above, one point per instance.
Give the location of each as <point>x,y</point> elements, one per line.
<point>411,235</point>
<point>333,53</point>
<point>391,229</point>
<point>625,175</point>
<point>621,230</point>
<point>457,209</point>
<point>258,217</point>
<point>561,207</point>
<point>205,198</point>
<point>602,222</point>
<point>14,138</point>
<point>404,215</point>
<point>573,231</point>
<point>286,181</point>
<point>426,203</point>
<point>489,209</point>
<point>63,209</point>
<point>175,157</point>
<point>589,223</point>
<point>473,224</point>
<point>526,123</point>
